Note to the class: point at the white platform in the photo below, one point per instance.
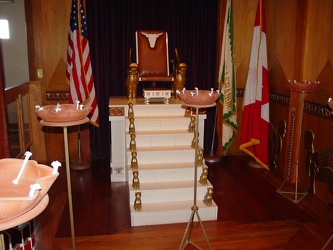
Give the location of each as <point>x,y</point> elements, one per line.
<point>165,158</point>
<point>171,212</point>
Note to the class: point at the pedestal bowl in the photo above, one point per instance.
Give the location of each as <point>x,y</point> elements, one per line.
<point>303,86</point>
<point>62,113</point>
<point>199,97</point>
<point>14,198</point>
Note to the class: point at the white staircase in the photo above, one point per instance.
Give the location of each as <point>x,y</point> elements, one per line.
<point>166,163</point>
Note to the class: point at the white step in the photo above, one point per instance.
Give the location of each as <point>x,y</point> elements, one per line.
<point>160,123</point>
<point>163,172</point>
<point>157,110</point>
<point>171,212</point>
<point>161,138</point>
<point>166,162</point>
<point>168,191</point>
<point>163,154</point>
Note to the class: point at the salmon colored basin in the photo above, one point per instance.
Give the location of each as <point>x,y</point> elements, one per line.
<point>202,98</point>
<point>14,199</point>
<point>65,113</point>
<point>304,86</point>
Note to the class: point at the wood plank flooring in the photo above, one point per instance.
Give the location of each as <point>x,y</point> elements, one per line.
<point>252,215</point>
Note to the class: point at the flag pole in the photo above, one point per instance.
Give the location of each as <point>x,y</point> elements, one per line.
<point>79,144</point>
<point>79,164</point>
<point>79,71</point>
<point>212,157</point>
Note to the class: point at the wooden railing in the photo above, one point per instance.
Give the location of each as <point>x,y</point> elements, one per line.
<point>19,121</point>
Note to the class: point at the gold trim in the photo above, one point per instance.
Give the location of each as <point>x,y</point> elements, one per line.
<point>57,95</point>
<point>117,111</point>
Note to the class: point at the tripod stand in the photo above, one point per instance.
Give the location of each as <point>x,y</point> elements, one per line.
<point>194,208</point>
<point>296,194</point>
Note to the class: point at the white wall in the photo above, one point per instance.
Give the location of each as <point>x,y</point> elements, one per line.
<point>15,52</point>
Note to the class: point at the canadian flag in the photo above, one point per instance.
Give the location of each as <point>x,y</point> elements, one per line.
<point>255,123</point>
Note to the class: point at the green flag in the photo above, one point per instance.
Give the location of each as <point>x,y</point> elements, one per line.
<point>227,82</point>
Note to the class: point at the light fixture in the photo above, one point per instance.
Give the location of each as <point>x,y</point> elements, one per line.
<point>4,29</point>
<point>6,1</point>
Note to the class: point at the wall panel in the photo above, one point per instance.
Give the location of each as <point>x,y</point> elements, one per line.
<point>243,17</point>
<point>47,25</point>
<point>303,53</point>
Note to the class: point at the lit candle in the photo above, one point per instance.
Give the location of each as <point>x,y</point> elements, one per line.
<point>81,106</point>
<point>196,90</point>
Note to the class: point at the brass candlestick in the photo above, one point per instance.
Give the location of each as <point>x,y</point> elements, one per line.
<point>194,208</point>
<point>196,99</point>
<point>298,92</point>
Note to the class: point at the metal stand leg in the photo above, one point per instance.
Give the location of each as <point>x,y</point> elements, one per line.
<point>327,242</point>
<point>295,193</point>
<point>69,188</point>
<point>188,230</point>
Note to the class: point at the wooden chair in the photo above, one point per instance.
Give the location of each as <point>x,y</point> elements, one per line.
<point>152,63</point>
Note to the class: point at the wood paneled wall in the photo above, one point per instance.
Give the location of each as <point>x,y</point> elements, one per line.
<point>47,26</point>
<point>300,48</point>
<point>299,35</point>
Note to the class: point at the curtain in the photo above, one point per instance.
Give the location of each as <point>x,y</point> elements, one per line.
<point>4,143</point>
<point>192,28</point>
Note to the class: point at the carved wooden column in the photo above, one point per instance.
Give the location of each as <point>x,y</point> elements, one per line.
<point>294,128</point>
<point>294,131</point>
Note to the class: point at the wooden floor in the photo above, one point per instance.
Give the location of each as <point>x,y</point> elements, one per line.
<point>251,215</point>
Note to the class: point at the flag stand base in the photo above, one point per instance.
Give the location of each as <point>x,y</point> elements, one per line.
<point>295,196</point>
<point>80,165</point>
<point>212,157</point>
<point>254,164</point>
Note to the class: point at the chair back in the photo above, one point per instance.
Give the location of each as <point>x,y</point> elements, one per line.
<point>152,54</point>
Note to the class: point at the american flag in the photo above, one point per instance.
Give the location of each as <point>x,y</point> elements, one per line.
<point>78,69</point>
